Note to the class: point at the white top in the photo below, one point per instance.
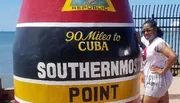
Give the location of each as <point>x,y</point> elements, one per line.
<point>154,57</point>
<point>144,41</point>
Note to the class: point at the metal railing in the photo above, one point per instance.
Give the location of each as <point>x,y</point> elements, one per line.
<point>167,18</point>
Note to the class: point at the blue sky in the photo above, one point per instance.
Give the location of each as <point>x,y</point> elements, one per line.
<point>9,11</point>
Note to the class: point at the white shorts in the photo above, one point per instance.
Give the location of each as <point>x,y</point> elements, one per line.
<point>156,91</point>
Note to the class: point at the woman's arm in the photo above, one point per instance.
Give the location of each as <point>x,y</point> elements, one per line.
<point>172,57</point>
<point>169,53</point>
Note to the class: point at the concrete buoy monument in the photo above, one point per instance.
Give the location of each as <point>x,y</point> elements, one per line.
<point>76,51</point>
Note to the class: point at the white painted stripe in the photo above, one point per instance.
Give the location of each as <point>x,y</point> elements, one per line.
<point>126,100</point>
<point>120,101</point>
<point>35,81</point>
<point>20,100</point>
<point>74,24</point>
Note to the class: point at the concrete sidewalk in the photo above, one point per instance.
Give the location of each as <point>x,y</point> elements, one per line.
<point>174,90</point>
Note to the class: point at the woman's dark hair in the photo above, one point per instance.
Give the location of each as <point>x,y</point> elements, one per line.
<point>154,25</point>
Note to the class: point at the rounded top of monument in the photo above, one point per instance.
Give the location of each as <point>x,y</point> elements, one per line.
<point>114,11</point>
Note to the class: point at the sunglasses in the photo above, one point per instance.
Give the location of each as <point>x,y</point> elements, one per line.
<point>148,30</point>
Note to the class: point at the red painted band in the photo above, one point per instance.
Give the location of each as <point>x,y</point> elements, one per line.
<point>51,11</point>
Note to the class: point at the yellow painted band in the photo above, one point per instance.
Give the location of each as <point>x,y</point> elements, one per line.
<point>95,93</point>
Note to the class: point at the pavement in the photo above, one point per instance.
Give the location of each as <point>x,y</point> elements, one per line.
<point>174,90</point>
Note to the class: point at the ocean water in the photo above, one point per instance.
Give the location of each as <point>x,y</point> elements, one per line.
<point>6,54</point>
<point>6,60</point>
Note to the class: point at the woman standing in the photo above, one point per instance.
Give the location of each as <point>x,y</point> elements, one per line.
<point>159,59</point>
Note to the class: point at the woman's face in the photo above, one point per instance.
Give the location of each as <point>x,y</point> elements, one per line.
<point>149,32</point>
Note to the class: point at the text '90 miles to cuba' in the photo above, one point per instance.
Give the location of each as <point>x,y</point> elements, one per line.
<point>93,41</point>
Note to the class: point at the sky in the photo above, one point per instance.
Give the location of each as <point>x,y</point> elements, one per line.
<point>9,10</point>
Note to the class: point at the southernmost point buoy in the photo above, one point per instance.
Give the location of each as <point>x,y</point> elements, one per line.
<point>76,51</point>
